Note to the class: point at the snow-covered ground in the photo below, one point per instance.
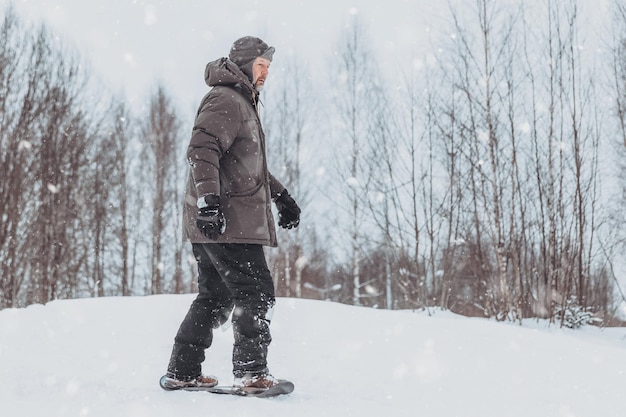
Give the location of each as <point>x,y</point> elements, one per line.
<point>103,357</point>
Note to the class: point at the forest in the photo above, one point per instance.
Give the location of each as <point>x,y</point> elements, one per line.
<point>487,178</point>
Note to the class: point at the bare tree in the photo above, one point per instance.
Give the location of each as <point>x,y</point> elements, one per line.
<point>15,154</point>
<point>479,75</point>
<point>121,137</point>
<point>161,133</point>
<point>352,101</point>
<point>497,95</point>
<point>613,241</point>
<point>48,135</point>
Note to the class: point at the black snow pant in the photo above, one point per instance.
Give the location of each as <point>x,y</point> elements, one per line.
<point>229,276</point>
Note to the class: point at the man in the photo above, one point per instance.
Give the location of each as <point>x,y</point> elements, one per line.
<point>227,218</point>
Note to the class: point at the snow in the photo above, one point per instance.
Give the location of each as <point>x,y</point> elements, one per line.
<point>103,357</point>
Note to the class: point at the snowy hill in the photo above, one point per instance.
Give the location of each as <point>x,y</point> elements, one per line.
<point>103,357</point>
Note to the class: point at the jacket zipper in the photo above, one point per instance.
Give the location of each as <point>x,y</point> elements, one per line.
<point>268,193</point>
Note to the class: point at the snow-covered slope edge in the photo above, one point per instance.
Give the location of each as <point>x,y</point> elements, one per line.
<point>103,357</point>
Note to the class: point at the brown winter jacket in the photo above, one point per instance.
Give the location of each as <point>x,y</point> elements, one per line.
<point>227,157</point>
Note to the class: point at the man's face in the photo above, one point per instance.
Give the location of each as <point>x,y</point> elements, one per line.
<point>260,69</point>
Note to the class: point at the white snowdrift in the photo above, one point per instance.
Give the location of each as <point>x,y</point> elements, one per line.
<point>103,357</point>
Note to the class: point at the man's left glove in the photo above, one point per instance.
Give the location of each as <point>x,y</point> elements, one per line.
<point>210,218</point>
<point>288,210</point>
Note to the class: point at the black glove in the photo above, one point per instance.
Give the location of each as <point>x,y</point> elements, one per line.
<point>288,210</point>
<point>210,218</point>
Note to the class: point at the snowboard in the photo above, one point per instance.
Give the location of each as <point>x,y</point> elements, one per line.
<point>283,387</point>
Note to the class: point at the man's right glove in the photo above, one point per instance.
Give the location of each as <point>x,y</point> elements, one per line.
<point>210,218</point>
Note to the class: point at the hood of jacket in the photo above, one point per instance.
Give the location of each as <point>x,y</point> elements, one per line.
<point>225,72</point>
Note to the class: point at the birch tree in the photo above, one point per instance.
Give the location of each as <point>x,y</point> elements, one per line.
<point>161,134</point>
<point>353,63</point>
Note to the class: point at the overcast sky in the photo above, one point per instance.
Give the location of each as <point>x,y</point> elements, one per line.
<point>132,43</point>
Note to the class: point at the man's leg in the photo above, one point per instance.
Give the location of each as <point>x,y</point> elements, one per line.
<point>209,310</point>
<point>244,270</point>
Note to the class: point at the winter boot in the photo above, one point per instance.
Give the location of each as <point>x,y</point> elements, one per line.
<point>256,382</point>
<point>170,383</point>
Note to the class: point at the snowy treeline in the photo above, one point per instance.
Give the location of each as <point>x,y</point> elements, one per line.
<point>90,192</point>
<point>483,177</point>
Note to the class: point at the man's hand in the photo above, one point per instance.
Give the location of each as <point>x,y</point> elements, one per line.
<point>288,210</point>
<point>210,218</point>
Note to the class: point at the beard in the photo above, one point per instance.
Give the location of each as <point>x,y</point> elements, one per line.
<point>258,85</point>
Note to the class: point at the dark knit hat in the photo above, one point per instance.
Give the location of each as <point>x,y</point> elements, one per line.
<point>245,50</point>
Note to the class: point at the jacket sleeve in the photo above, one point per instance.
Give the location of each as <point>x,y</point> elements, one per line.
<point>275,186</point>
<point>214,131</point>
